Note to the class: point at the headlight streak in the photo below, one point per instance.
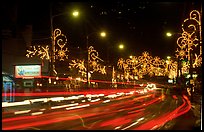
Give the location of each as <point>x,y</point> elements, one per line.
<point>73,101</point>
<point>133,123</point>
<point>95,100</point>
<point>29,102</point>
<point>36,113</point>
<point>76,107</point>
<point>106,101</point>
<point>69,98</point>
<point>119,126</point>
<point>36,100</point>
<point>160,121</point>
<point>57,98</point>
<point>22,112</point>
<point>44,122</point>
<point>62,106</point>
<point>6,104</point>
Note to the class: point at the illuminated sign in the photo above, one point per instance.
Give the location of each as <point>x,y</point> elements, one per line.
<point>27,71</point>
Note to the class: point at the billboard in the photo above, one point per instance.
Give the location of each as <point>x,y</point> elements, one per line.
<point>27,71</point>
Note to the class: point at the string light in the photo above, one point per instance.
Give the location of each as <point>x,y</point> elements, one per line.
<point>191,39</point>
<point>42,52</point>
<point>60,41</point>
<point>142,65</point>
<point>93,63</point>
<point>79,64</point>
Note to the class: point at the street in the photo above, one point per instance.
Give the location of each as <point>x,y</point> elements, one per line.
<point>138,109</point>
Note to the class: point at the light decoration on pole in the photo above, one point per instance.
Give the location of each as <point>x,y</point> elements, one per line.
<point>93,61</point>
<point>44,52</point>
<point>94,65</point>
<point>142,65</point>
<point>190,42</point>
<point>191,39</point>
<point>60,40</point>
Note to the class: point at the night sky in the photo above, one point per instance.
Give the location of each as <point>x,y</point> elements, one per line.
<point>141,25</point>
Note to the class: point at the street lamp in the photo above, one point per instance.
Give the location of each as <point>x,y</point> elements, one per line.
<point>168,34</point>
<point>121,46</point>
<point>188,42</point>
<point>52,64</point>
<point>102,34</point>
<point>75,13</point>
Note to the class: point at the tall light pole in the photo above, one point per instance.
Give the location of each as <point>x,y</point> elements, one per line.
<point>52,61</point>
<point>169,34</point>
<point>102,34</point>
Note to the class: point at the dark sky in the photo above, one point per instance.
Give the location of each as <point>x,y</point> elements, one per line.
<point>141,25</point>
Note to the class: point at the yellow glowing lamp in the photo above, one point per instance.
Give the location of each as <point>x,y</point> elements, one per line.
<point>168,34</point>
<point>121,46</point>
<point>103,34</point>
<point>75,13</point>
<point>168,57</point>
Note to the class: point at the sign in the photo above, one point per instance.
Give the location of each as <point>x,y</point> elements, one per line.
<point>27,71</point>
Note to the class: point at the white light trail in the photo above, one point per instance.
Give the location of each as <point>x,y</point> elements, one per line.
<point>6,104</point>
<point>106,101</point>
<point>36,113</point>
<point>94,100</point>
<point>78,107</point>
<point>57,98</point>
<point>62,106</point>
<point>133,123</point>
<point>22,112</point>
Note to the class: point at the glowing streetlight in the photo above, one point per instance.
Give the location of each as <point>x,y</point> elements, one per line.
<point>52,64</point>
<point>168,57</point>
<point>75,13</point>
<point>168,34</point>
<point>103,34</point>
<point>121,46</point>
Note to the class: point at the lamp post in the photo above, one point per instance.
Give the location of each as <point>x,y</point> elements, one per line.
<point>179,72</point>
<point>102,34</point>
<point>52,61</point>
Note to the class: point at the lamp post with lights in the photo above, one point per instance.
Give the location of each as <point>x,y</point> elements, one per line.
<point>52,61</point>
<point>102,34</point>
<point>188,42</point>
<point>179,71</point>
